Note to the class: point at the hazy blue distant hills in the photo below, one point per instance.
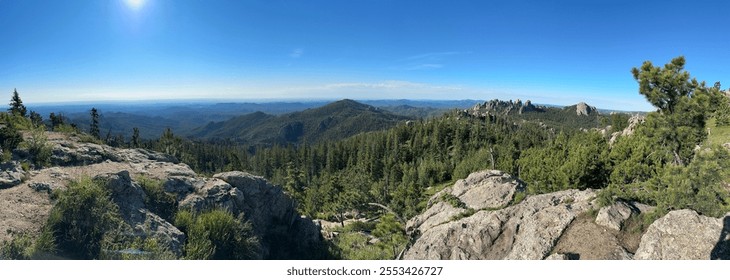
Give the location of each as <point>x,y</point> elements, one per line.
<point>334,121</point>
<point>200,117</point>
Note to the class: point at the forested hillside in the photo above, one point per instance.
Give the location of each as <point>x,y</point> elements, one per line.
<point>334,121</point>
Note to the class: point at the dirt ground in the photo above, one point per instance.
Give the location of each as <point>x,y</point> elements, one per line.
<point>585,240</point>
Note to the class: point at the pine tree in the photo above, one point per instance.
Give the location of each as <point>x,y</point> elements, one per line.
<point>36,118</point>
<point>94,129</point>
<point>16,105</point>
<point>135,137</point>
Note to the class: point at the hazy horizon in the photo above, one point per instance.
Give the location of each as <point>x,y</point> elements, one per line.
<point>561,52</point>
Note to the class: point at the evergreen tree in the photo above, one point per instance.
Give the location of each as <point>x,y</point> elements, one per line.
<point>56,120</point>
<point>94,129</point>
<point>16,105</point>
<point>36,118</point>
<point>135,137</point>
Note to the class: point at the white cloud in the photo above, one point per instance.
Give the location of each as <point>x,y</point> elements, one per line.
<point>432,56</point>
<point>296,53</point>
<point>425,66</point>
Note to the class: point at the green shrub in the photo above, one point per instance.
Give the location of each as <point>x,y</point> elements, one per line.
<point>357,246</point>
<point>83,214</point>
<point>19,248</point>
<point>157,200</point>
<point>519,197</point>
<point>217,235</point>
<point>453,200</point>
<point>38,147</point>
<point>9,137</point>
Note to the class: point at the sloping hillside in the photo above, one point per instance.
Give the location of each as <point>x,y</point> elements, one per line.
<point>334,121</point>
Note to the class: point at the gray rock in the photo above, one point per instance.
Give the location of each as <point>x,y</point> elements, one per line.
<point>490,189</point>
<point>582,109</point>
<point>42,187</point>
<point>142,155</point>
<point>67,153</point>
<point>634,122</point>
<point>614,216</point>
<point>685,235</point>
<point>487,189</point>
<point>283,233</point>
<point>143,223</point>
<point>11,174</point>
<point>182,185</point>
<point>528,230</point>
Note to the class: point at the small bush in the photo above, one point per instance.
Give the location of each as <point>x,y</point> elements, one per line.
<point>10,138</point>
<point>157,200</point>
<point>217,235</point>
<point>83,214</point>
<point>38,147</point>
<point>19,248</point>
<point>453,200</point>
<point>519,197</point>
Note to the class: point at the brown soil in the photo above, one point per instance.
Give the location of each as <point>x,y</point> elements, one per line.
<point>585,240</point>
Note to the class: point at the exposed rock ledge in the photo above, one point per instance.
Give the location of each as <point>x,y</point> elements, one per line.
<point>528,230</point>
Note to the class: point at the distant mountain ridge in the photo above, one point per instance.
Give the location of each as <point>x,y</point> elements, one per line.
<point>333,121</point>
<point>580,115</point>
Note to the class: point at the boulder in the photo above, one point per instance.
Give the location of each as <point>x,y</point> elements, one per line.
<point>11,174</point>
<point>282,232</point>
<point>182,185</point>
<point>685,235</point>
<point>67,153</point>
<point>129,196</point>
<point>528,230</point>
<point>614,216</point>
<point>490,189</point>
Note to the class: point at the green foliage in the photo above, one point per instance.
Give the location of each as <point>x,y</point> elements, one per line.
<point>357,246</point>
<point>10,137</point>
<point>453,200</point>
<point>465,214</point>
<point>355,243</point>
<point>19,248</point>
<point>519,197</point>
<point>94,128</point>
<point>217,235</point>
<point>38,147</point>
<point>569,161</point>
<point>391,234</point>
<point>157,200</point>
<point>701,186</point>
<point>16,105</point>
<point>135,142</point>
<point>36,119</point>
<point>81,217</point>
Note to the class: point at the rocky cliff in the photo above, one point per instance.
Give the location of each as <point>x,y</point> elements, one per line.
<point>25,202</point>
<point>480,218</point>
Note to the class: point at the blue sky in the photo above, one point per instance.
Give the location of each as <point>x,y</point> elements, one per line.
<point>557,52</point>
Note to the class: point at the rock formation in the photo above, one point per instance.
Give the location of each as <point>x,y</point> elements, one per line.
<point>280,229</point>
<point>527,230</point>
<point>686,235</point>
<point>582,109</point>
<point>634,122</point>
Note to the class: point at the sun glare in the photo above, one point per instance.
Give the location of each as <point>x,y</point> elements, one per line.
<point>135,4</point>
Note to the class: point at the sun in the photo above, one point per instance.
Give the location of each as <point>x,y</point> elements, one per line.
<point>134,4</point>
